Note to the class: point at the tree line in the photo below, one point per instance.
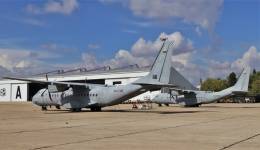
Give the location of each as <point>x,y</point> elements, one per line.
<point>212,84</point>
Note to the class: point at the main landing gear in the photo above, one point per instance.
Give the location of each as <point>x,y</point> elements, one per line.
<point>76,109</point>
<point>95,108</point>
<point>44,108</point>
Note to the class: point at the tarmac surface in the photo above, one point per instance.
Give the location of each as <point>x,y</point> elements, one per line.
<point>210,127</point>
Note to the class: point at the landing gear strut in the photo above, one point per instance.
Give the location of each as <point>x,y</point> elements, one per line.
<point>44,108</point>
<point>95,108</point>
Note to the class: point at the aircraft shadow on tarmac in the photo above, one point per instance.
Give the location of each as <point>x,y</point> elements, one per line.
<point>129,111</point>
<point>231,107</point>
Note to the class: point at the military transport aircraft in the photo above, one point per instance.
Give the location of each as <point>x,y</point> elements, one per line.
<point>194,98</point>
<point>75,96</point>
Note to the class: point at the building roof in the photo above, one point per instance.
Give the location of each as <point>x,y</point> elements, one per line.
<point>91,75</point>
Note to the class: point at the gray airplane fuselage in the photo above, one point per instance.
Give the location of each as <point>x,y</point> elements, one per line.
<point>101,96</point>
<point>193,99</point>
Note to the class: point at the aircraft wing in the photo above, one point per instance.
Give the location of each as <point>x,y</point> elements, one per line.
<point>68,84</point>
<point>183,91</point>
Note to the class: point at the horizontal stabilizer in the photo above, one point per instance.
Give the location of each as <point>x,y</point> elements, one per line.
<point>177,79</point>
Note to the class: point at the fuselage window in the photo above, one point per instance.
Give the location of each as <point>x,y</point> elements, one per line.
<point>117,82</point>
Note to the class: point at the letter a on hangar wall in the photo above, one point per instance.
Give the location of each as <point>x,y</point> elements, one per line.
<point>18,93</point>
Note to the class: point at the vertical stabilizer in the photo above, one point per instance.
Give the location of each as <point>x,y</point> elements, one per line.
<point>242,82</point>
<point>160,71</point>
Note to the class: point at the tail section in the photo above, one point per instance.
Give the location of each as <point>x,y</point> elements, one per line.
<point>161,68</point>
<point>180,81</point>
<point>242,82</point>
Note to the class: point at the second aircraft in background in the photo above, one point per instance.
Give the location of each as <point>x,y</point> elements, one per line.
<point>191,97</point>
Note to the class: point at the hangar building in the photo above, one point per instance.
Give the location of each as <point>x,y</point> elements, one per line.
<point>13,90</point>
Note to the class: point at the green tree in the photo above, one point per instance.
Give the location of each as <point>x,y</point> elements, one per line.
<point>232,79</point>
<point>214,85</point>
<point>256,87</point>
<point>254,83</point>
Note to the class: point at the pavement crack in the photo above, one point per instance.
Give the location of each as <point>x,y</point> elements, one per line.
<point>241,141</point>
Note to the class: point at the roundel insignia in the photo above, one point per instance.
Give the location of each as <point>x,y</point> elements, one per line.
<point>2,92</point>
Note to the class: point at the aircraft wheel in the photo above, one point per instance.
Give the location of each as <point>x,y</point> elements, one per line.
<point>57,107</point>
<point>98,108</point>
<point>95,109</point>
<point>44,108</point>
<point>76,109</point>
<point>166,105</point>
<point>197,105</point>
<point>159,105</point>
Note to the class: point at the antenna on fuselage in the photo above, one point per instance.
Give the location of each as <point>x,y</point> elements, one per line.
<point>46,76</point>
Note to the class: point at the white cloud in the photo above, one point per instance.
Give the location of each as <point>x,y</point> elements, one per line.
<point>65,7</point>
<point>145,48</point>
<point>89,60</point>
<point>220,69</point>
<point>183,58</point>
<point>11,59</point>
<point>20,61</point>
<point>184,63</point>
<point>204,13</point>
<point>124,58</point>
<point>150,48</point>
<point>250,58</point>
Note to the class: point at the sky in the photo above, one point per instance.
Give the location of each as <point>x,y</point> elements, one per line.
<point>212,38</point>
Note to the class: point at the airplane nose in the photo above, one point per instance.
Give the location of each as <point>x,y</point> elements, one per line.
<point>35,100</point>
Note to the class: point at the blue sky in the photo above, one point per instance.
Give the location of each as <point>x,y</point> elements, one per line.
<point>216,35</point>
